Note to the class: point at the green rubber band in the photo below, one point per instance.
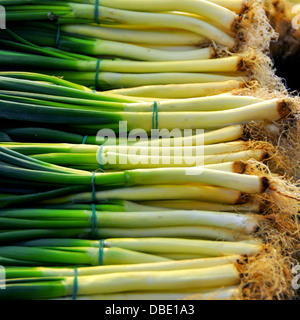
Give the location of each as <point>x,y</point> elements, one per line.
<point>97,11</point>
<point>75,284</point>
<point>155,116</point>
<point>99,158</point>
<point>101,253</point>
<point>94,200</point>
<point>57,36</point>
<point>84,140</point>
<point>94,222</point>
<point>94,213</point>
<point>97,73</point>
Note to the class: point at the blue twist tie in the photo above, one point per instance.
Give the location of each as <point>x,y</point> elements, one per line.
<point>84,139</point>
<point>101,247</point>
<point>57,36</point>
<point>97,11</point>
<point>75,284</point>
<point>97,74</point>
<point>155,116</point>
<point>99,158</point>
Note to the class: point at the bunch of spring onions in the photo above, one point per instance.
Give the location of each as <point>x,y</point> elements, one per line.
<point>125,264</point>
<point>86,217</point>
<point>38,137</point>
<point>63,185</point>
<point>111,109</point>
<point>169,44</point>
<point>142,93</point>
<point>20,224</point>
<point>206,19</point>
<point>28,113</point>
<point>44,183</point>
<point>51,94</point>
<point>22,38</point>
<point>117,74</point>
<point>192,196</point>
<point>35,170</point>
<point>228,292</point>
<point>222,156</point>
<point>65,252</point>
<point>203,278</point>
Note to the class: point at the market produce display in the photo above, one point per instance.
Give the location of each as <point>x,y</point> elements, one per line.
<point>148,151</point>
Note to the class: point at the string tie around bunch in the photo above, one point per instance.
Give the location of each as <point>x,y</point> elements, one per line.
<point>58,34</point>
<point>75,284</point>
<point>101,251</point>
<point>155,116</point>
<point>94,212</point>
<point>97,11</point>
<point>84,139</point>
<point>97,74</point>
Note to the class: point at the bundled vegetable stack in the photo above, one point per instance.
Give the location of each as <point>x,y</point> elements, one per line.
<point>91,207</point>
<point>127,44</point>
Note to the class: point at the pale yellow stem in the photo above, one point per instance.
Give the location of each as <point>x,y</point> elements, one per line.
<point>155,19</point>
<point>239,182</point>
<point>233,5</point>
<point>179,91</point>
<point>159,192</point>
<point>226,275</point>
<point>165,245</point>
<point>196,232</point>
<point>115,161</point>
<point>160,37</point>
<point>220,102</point>
<point>226,293</point>
<point>200,205</point>
<point>214,149</point>
<point>127,80</point>
<point>228,64</point>
<point>270,110</point>
<point>230,133</point>
<point>156,266</point>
